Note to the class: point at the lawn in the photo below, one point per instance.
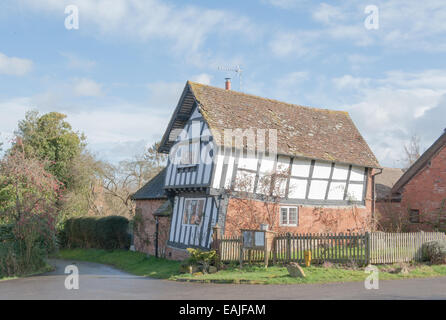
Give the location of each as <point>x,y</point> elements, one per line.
<point>132,262</point>
<point>139,264</point>
<point>314,274</point>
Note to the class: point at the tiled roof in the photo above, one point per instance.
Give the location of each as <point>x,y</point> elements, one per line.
<point>164,210</point>
<point>152,189</point>
<point>301,131</point>
<point>421,162</point>
<point>385,181</point>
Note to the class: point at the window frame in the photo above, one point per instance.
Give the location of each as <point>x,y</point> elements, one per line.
<point>417,216</point>
<point>190,218</point>
<point>288,216</point>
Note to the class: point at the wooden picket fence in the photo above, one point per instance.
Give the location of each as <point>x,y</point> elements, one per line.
<point>399,247</point>
<point>374,247</point>
<point>230,251</point>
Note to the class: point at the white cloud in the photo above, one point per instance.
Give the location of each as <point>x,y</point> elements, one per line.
<point>295,44</point>
<point>14,66</point>
<point>77,63</point>
<point>348,81</point>
<point>164,96</point>
<point>328,14</point>
<point>203,78</point>
<point>186,26</point>
<point>389,110</point>
<point>286,4</point>
<point>87,88</point>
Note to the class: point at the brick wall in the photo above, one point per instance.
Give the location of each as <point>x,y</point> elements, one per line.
<point>426,192</point>
<point>176,253</point>
<point>144,233</point>
<point>315,219</point>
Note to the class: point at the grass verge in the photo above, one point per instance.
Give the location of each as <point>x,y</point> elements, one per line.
<point>139,264</point>
<point>129,261</point>
<point>314,274</point>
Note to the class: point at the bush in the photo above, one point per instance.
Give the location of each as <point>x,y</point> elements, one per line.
<point>6,232</point>
<point>100,233</point>
<point>434,252</point>
<point>202,258</point>
<point>17,259</point>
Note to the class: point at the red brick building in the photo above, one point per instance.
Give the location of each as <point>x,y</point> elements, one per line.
<point>419,196</point>
<point>310,170</point>
<point>152,218</point>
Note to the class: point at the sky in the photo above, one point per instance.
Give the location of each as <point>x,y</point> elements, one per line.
<point>119,75</point>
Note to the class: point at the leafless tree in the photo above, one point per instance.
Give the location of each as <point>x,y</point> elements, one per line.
<point>411,151</point>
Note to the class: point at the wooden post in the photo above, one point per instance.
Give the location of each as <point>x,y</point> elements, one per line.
<point>367,248</point>
<point>216,237</point>
<point>241,250</point>
<point>288,247</point>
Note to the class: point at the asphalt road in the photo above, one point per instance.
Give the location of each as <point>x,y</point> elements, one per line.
<point>102,282</point>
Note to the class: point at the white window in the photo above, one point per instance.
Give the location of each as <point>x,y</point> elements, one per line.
<point>289,216</point>
<point>193,211</point>
<point>189,152</point>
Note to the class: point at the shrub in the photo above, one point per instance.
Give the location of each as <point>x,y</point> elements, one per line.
<point>6,232</point>
<point>100,233</point>
<point>203,258</point>
<point>434,252</point>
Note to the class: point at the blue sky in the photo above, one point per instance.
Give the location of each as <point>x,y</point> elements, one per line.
<point>119,76</point>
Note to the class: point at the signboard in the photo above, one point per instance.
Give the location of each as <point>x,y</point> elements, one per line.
<point>259,239</point>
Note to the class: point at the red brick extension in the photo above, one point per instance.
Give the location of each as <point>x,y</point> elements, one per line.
<point>426,192</point>
<point>144,235</point>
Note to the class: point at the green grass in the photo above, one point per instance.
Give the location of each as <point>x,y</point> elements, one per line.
<point>139,264</point>
<point>132,262</point>
<point>314,274</point>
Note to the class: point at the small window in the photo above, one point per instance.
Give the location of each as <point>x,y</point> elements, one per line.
<point>193,211</point>
<point>189,152</point>
<point>414,216</point>
<point>289,216</point>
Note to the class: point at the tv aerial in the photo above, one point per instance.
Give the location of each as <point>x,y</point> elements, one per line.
<point>238,71</point>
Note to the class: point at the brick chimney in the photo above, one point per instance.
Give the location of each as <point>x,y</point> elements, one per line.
<point>228,83</point>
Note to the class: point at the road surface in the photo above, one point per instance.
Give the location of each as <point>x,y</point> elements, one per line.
<point>103,282</point>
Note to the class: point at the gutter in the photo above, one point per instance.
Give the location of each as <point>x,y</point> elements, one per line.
<point>374,192</point>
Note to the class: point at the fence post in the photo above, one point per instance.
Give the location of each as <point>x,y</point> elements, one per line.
<point>216,237</point>
<point>288,247</point>
<point>367,248</point>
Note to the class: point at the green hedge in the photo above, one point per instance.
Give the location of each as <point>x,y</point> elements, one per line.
<point>100,233</point>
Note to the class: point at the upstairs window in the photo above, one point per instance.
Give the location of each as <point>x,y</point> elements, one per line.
<point>289,216</point>
<point>193,211</point>
<point>414,216</point>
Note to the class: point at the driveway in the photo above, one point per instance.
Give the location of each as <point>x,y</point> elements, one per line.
<point>102,282</point>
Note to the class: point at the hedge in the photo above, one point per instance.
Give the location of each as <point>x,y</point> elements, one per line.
<point>100,233</point>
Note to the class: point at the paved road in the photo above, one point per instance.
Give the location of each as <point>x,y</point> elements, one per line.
<point>103,282</point>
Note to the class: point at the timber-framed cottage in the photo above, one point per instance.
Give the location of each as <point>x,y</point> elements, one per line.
<point>319,169</point>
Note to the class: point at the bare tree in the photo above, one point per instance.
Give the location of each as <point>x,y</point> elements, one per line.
<point>411,151</point>
<point>262,207</point>
<point>122,180</point>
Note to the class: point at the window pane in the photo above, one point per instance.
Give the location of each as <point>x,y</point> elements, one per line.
<point>187,211</point>
<point>414,216</point>
<point>292,216</point>
<point>283,216</point>
<point>198,212</point>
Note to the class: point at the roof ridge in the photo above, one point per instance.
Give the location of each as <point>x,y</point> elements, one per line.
<point>267,99</point>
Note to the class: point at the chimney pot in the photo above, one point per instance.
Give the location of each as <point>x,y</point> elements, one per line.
<point>228,83</point>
